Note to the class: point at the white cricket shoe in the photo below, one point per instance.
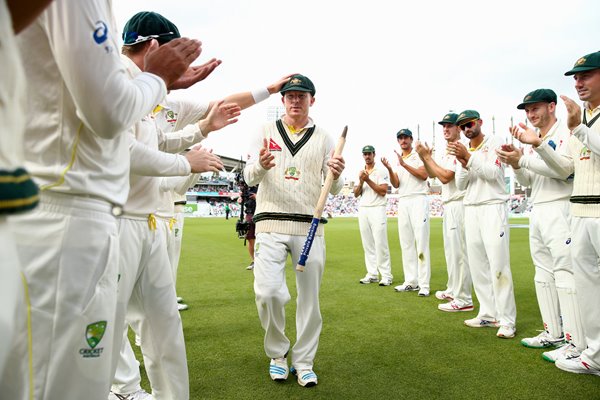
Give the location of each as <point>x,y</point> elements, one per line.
<point>541,341</point>
<point>306,377</point>
<point>278,369</point>
<point>506,332</point>
<point>139,395</point>
<point>451,306</point>
<point>179,299</point>
<point>250,267</point>
<point>182,307</point>
<point>385,282</point>
<point>481,323</point>
<point>577,366</point>
<point>443,295</point>
<point>567,351</point>
<point>424,292</point>
<point>405,287</point>
<point>368,279</point>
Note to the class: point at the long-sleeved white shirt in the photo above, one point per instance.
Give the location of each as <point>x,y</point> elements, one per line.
<point>546,185</point>
<point>17,191</point>
<point>81,100</point>
<point>148,164</point>
<point>483,179</point>
<point>449,190</point>
<point>176,115</point>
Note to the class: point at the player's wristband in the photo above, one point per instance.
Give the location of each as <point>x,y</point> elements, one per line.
<point>260,94</point>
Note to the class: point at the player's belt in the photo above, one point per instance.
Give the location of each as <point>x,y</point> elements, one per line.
<point>180,203</point>
<point>585,199</point>
<point>286,217</point>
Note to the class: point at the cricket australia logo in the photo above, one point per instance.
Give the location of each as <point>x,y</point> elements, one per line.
<point>93,335</point>
<point>171,117</point>
<point>292,173</point>
<point>585,153</point>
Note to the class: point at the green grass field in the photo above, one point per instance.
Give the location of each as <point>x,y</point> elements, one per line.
<point>375,344</point>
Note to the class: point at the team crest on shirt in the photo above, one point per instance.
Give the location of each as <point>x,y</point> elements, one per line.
<point>93,335</point>
<point>585,153</point>
<point>292,173</point>
<point>273,146</point>
<point>171,117</point>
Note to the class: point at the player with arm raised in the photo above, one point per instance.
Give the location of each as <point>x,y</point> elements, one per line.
<point>481,174</point>
<point>293,157</point>
<point>458,292</point>
<point>372,189</point>
<point>583,159</point>
<point>410,178</point>
<point>549,231</point>
<point>81,103</point>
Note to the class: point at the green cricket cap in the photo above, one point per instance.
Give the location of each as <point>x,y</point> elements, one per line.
<point>404,132</point>
<point>299,83</point>
<point>368,149</point>
<point>538,96</point>
<point>449,118</point>
<point>148,25</point>
<point>585,63</point>
<point>466,116</point>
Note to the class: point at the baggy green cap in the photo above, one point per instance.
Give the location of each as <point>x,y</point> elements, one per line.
<point>466,116</point>
<point>299,83</point>
<point>585,63</point>
<point>449,118</point>
<point>404,132</point>
<point>148,25</point>
<point>368,149</point>
<point>538,96</point>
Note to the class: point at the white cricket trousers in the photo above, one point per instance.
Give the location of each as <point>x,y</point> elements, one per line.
<point>455,250</point>
<point>147,294</point>
<point>68,249</point>
<point>270,254</point>
<point>488,248</point>
<point>413,232</point>
<point>586,270</point>
<point>174,242</point>
<point>14,371</point>
<point>550,245</point>
<point>372,222</point>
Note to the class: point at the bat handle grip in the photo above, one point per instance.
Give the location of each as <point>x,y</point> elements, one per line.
<point>307,245</point>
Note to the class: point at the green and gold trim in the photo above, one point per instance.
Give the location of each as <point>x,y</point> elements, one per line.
<point>18,192</point>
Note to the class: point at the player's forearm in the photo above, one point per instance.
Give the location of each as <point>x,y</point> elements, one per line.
<point>486,169</point>
<point>178,141</point>
<point>462,177</point>
<point>150,162</point>
<point>537,166</point>
<point>419,173</point>
<point>562,165</point>
<point>337,185</point>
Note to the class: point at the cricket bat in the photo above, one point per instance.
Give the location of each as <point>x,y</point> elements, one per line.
<point>320,206</point>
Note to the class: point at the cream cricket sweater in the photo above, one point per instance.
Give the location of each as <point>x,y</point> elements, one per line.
<point>582,158</point>
<point>585,201</point>
<point>288,193</point>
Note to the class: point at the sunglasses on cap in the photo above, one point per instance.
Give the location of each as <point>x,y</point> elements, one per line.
<point>468,125</point>
<point>141,39</point>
